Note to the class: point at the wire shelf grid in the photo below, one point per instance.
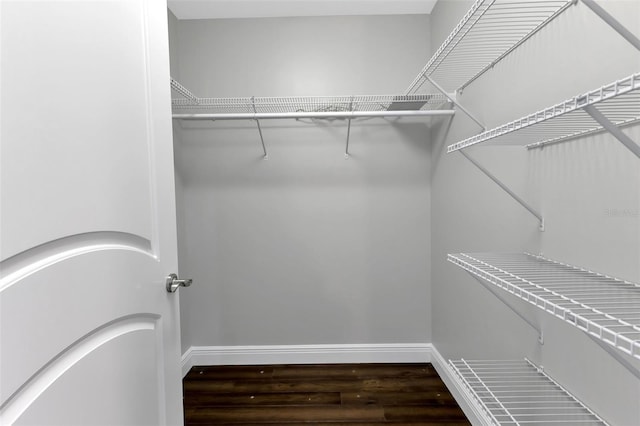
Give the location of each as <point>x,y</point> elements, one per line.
<point>312,103</point>
<point>603,307</point>
<point>518,392</point>
<point>619,102</point>
<point>489,31</point>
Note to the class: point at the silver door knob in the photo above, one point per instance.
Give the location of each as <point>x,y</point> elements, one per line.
<point>173,283</point>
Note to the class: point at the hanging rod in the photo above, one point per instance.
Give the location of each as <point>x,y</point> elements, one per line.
<point>319,114</point>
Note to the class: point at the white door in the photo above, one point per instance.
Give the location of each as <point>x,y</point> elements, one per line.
<point>88,333</point>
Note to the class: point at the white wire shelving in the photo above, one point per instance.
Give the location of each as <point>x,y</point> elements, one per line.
<point>254,108</point>
<point>488,32</point>
<point>606,308</point>
<point>310,106</point>
<point>618,102</point>
<point>518,393</point>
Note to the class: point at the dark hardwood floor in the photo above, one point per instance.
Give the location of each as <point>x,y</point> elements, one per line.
<point>336,394</point>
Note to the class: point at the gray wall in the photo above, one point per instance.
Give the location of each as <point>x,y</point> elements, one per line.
<point>578,185</point>
<point>305,247</point>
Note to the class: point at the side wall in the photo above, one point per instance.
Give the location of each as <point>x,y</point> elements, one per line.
<point>306,247</point>
<point>587,189</point>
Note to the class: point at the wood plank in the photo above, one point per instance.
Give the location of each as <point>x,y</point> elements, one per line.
<point>317,385</point>
<point>252,399</point>
<point>369,423</point>
<point>250,372</point>
<point>284,415</point>
<point>435,397</point>
<point>420,413</point>
<point>360,371</point>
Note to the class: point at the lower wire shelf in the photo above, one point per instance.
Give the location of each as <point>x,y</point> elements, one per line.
<point>608,309</point>
<point>520,393</point>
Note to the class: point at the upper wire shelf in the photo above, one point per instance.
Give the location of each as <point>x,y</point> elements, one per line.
<point>603,307</point>
<point>488,32</point>
<point>518,392</point>
<point>313,104</point>
<point>619,102</point>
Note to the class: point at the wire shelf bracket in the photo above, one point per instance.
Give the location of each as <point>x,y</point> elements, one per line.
<point>618,105</point>
<point>346,149</point>
<point>517,392</point>
<point>613,129</point>
<point>455,102</point>
<point>183,91</point>
<point>605,308</point>
<point>613,23</point>
<point>510,306</point>
<point>264,148</point>
<point>506,189</point>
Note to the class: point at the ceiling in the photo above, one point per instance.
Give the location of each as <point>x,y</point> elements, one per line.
<point>217,9</point>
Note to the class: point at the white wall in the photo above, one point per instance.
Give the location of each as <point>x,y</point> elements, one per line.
<point>305,247</point>
<point>578,186</point>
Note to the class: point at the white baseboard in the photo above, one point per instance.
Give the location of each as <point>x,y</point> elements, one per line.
<point>305,354</point>
<point>464,399</point>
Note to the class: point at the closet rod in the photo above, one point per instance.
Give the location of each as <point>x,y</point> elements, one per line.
<point>320,114</point>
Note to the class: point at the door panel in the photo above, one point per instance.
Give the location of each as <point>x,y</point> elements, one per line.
<point>76,98</point>
<point>88,333</point>
<point>102,407</point>
<point>57,305</point>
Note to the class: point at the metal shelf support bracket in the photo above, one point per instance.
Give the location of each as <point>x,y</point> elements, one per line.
<point>175,85</point>
<point>456,103</point>
<point>613,129</point>
<point>506,189</point>
<point>613,23</point>
<point>616,355</point>
<point>346,150</point>
<point>264,149</point>
<point>510,306</point>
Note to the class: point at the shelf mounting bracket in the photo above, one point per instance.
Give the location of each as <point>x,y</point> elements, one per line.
<point>264,149</point>
<point>613,129</point>
<point>613,23</point>
<point>506,302</point>
<point>346,150</point>
<point>616,355</point>
<point>505,189</point>
<point>453,101</point>
<point>186,93</point>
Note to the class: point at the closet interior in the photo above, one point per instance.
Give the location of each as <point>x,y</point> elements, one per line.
<point>542,211</point>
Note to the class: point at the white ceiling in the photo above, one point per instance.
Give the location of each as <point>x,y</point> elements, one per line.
<point>212,9</point>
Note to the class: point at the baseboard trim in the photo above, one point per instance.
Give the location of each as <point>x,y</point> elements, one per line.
<point>305,354</point>
<point>463,397</point>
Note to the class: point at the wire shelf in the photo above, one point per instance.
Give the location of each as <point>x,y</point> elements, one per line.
<point>619,102</point>
<point>312,104</point>
<point>603,307</point>
<point>489,31</point>
<point>518,392</point>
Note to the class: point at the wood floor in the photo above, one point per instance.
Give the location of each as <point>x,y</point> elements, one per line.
<point>337,394</point>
